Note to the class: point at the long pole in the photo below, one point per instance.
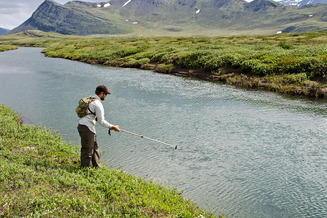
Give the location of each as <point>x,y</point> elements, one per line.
<point>144,137</point>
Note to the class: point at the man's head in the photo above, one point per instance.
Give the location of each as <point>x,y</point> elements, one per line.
<point>102,91</point>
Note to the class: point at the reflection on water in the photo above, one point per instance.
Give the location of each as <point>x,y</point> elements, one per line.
<point>241,153</point>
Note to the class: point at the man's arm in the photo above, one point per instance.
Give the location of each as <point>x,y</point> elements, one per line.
<point>101,120</point>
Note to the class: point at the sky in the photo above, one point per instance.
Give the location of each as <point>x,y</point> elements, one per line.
<point>15,12</point>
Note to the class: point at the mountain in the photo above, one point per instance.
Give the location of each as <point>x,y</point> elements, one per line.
<point>184,17</point>
<point>301,3</point>
<point>3,31</point>
<point>78,18</point>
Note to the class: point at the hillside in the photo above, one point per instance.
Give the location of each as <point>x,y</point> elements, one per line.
<point>3,31</point>
<point>175,17</point>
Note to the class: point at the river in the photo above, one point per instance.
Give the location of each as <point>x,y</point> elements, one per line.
<point>240,153</point>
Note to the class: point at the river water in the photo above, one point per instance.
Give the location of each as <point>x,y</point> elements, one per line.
<point>240,153</point>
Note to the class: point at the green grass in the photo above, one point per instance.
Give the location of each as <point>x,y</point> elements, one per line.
<point>40,176</point>
<point>7,47</point>
<point>286,63</point>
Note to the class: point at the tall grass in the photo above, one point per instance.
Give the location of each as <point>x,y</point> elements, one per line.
<point>40,176</point>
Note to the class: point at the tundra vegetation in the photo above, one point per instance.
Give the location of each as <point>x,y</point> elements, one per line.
<point>40,177</point>
<point>7,47</point>
<point>294,64</point>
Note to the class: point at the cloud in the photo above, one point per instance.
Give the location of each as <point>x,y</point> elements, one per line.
<point>15,12</point>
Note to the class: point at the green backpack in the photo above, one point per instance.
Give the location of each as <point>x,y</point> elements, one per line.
<point>83,106</point>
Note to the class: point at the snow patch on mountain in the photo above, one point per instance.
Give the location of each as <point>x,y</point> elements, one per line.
<point>289,2</point>
<point>104,6</point>
<point>126,3</point>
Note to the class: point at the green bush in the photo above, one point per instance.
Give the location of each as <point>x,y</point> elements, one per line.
<point>164,68</point>
<point>285,45</point>
<point>298,79</point>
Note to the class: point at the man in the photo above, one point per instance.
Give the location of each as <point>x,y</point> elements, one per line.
<point>90,149</point>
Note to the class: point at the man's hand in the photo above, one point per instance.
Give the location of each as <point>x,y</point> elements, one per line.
<point>116,128</point>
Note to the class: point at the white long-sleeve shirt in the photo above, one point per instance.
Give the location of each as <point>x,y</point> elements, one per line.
<point>89,120</point>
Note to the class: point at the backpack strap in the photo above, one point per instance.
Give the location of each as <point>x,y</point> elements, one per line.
<point>91,111</point>
<point>93,99</point>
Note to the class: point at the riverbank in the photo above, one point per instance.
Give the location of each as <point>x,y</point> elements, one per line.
<point>40,176</point>
<point>7,47</point>
<point>292,64</point>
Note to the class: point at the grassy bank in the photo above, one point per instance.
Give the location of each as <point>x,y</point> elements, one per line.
<point>7,47</point>
<point>40,176</point>
<point>294,64</point>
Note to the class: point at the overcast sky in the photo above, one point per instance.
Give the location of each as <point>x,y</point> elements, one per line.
<point>15,12</point>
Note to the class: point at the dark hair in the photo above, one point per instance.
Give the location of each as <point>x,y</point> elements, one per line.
<point>102,88</point>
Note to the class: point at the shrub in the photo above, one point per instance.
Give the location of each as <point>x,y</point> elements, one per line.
<point>285,45</point>
<point>298,79</point>
<point>164,68</point>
